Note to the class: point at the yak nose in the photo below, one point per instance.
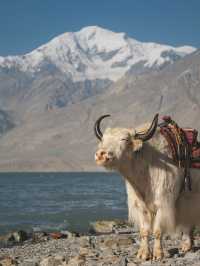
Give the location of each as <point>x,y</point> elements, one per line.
<point>103,155</point>
<point>99,154</point>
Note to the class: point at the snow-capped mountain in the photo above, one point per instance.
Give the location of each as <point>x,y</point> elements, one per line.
<point>95,53</point>
<point>47,111</point>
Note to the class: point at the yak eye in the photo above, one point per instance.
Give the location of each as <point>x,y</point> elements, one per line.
<point>124,139</point>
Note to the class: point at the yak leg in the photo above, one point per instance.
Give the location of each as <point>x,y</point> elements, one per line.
<point>144,251</point>
<point>157,232</point>
<point>188,215</point>
<point>164,221</point>
<point>145,227</point>
<point>157,249</point>
<point>187,240</point>
<point>140,215</point>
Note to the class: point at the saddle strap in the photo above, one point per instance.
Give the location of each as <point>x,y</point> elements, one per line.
<point>180,148</point>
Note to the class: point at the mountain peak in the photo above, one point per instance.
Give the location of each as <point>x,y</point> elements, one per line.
<point>92,28</point>
<point>96,53</point>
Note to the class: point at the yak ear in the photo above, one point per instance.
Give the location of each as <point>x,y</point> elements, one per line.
<point>137,144</point>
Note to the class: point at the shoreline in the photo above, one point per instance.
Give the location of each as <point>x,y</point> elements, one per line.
<point>48,171</point>
<point>110,243</point>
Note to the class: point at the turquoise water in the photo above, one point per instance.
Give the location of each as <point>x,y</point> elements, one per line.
<point>58,201</point>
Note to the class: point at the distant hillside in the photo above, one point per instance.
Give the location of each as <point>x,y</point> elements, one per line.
<point>49,126</point>
<point>6,122</point>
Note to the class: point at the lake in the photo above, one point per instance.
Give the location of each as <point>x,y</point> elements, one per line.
<point>59,201</point>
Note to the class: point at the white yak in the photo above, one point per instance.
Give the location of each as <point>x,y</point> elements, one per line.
<point>154,183</point>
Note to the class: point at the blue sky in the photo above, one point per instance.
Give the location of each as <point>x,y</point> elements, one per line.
<point>26,24</point>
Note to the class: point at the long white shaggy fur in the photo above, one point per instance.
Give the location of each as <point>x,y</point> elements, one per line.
<point>156,202</point>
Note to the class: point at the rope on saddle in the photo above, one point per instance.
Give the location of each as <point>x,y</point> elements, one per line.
<point>180,147</point>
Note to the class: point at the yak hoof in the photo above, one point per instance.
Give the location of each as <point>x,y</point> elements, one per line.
<point>158,254</point>
<point>185,247</point>
<point>144,254</point>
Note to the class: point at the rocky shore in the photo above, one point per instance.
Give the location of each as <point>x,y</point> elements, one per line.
<point>108,243</point>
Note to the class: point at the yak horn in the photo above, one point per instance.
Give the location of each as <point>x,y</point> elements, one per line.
<point>97,129</point>
<point>150,132</point>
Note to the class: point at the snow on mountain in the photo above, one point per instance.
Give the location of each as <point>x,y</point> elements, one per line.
<point>95,53</point>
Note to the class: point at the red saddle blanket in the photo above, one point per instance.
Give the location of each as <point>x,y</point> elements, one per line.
<point>178,138</point>
<point>191,137</point>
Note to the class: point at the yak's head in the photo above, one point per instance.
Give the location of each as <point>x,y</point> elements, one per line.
<point>118,145</point>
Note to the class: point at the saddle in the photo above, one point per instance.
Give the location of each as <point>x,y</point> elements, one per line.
<point>184,146</point>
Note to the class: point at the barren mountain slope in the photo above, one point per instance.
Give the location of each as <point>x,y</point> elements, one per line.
<point>62,138</point>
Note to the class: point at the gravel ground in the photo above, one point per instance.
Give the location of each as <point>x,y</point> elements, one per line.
<point>107,249</point>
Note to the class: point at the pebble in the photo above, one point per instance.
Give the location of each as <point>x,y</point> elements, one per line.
<point>30,263</point>
<point>118,249</point>
<point>7,261</point>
